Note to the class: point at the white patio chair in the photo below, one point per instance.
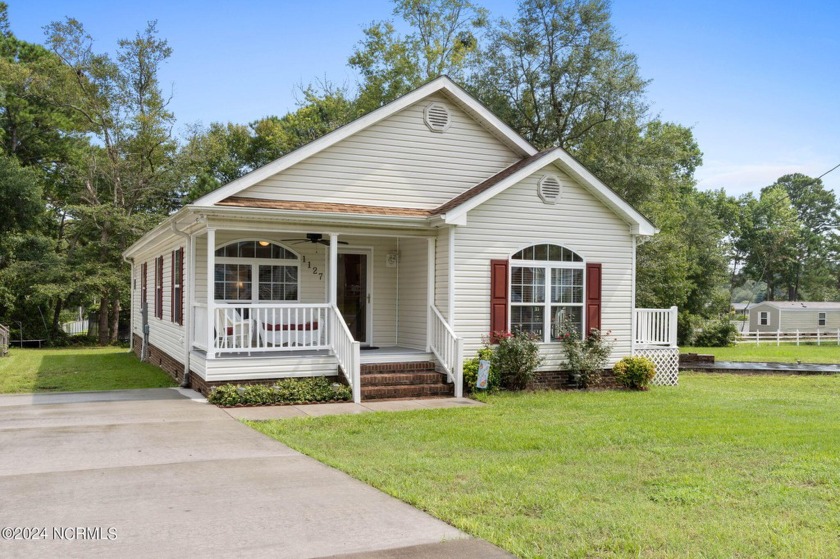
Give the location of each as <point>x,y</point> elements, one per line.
<point>235,331</point>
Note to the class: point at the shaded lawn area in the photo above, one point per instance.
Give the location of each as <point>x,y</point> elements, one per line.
<point>722,466</point>
<point>785,353</point>
<point>76,370</point>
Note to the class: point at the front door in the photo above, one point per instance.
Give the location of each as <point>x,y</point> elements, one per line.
<point>353,293</point>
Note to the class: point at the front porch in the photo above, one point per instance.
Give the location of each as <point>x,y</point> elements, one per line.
<point>267,303</point>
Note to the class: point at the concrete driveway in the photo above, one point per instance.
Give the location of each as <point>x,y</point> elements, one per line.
<point>156,473</point>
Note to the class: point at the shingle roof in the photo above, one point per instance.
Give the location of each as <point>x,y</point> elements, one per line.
<point>489,183</point>
<point>803,305</point>
<point>325,207</point>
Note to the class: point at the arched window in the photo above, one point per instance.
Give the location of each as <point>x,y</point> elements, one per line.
<point>239,264</point>
<point>546,287</point>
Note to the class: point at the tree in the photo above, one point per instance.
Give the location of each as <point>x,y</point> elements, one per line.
<point>559,72</point>
<point>126,175</point>
<point>443,40</point>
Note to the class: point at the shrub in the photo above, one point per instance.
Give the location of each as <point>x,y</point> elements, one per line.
<point>716,332</point>
<point>286,391</point>
<point>635,373</point>
<point>471,371</point>
<point>585,359</point>
<point>516,358</point>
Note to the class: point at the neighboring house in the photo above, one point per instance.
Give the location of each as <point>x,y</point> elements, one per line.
<point>741,309</point>
<point>397,242</point>
<point>790,316</point>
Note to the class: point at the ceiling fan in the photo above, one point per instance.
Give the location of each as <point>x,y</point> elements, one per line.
<point>315,238</point>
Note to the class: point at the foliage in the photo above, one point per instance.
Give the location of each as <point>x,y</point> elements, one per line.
<point>687,325</point>
<point>442,40</point>
<point>635,373</point>
<point>722,466</point>
<point>515,359</point>
<point>471,371</point>
<point>286,391</point>
<point>585,359</point>
<point>716,332</point>
<point>77,369</point>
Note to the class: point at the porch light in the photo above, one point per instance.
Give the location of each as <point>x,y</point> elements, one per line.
<point>264,243</point>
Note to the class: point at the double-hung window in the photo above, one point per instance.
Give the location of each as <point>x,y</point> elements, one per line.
<point>256,271</point>
<point>821,319</point>
<point>763,318</point>
<point>546,290</point>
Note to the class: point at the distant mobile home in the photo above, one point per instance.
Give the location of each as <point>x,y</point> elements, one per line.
<point>789,316</point>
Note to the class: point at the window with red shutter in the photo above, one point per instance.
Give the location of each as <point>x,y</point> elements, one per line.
<point>593,296</point>
<point>159,287</point>
<point>144,284</point>
<point>498,297</point>
<point>177,287</point>
<point>546,290</point>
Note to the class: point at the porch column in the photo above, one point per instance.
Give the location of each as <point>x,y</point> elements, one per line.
<point>333,275</point>
<point>211,289</point>
<point>430,289</point>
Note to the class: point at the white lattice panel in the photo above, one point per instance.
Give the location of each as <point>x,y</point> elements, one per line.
<point>667,361</point>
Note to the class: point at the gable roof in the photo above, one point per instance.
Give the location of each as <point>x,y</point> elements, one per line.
<point>801,305</point>
<point>442,84</point>
<point>456,209</point>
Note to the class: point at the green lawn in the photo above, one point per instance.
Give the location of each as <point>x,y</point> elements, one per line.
<point>785,353</point>
<point>722,466</point>
<point>74,370</point>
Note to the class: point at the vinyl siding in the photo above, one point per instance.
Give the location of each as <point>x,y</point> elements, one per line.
<point>396,162</point>
<point>163,333</point>
<point>518,218</point>
<point>772,318</point>
<point>792,320</point>
<point>412,293</point>
<point>255,367</point>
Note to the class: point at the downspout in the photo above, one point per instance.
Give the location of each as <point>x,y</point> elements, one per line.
<point>131,306</point>
<point>185,383</point>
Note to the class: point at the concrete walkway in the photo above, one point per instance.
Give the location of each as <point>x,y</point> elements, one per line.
<point>162,473</point>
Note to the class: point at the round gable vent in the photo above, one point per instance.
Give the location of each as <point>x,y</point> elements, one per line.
<point>437,117</point>
<point>549,189</point>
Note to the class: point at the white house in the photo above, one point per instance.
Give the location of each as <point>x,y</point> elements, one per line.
<point>395,243</point>
<point>790,316</point>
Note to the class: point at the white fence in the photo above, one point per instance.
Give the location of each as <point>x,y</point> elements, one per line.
<point>76,328</point>
<point>797,337</point>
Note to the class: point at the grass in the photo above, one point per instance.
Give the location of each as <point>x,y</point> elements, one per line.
<point>784,353</point>
<point>75,370</point>
<point>722,466</point>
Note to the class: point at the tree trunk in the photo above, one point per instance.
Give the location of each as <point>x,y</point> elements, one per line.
<point>115,318</point>
<point>56,321</point>
<point>103,320</point>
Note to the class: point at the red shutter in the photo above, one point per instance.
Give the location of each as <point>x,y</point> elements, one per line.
<point>593,296</point>
<point>181,288</point>
<point>144,286</point>
<point>498,297</point>
<point>172,287</point>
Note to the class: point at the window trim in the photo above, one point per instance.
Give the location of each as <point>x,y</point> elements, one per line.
<point>255,264</point>
<point>547,266</point>
<point>764,318</point>
<point>822,319</point>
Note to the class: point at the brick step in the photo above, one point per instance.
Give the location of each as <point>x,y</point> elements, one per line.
<point>378,368</point>
<point>407,391</point>
<point>393,378</point>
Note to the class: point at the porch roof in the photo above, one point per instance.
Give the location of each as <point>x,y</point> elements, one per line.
<point>322,207</point>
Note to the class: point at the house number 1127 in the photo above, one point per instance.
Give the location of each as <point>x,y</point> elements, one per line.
<point>314,269</point>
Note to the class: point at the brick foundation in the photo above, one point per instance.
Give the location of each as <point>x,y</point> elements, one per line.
<point>561,380</point>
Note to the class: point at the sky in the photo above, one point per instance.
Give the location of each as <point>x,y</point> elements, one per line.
<point>757,81</point>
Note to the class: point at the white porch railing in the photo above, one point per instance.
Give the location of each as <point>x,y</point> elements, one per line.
<point>448,349</point>
<point>656,327</point>
<point>199,326</point>
<point>347,352</point>
<point>270,327</point>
